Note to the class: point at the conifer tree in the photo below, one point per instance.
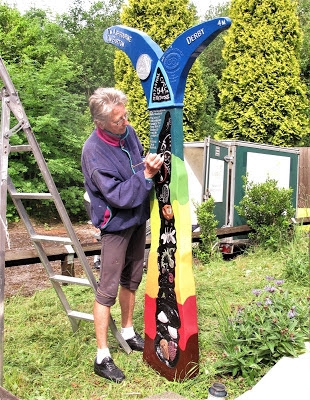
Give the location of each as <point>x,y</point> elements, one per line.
<point>304,18</point>
<point>163,21</point>
<point>212,64</point>
<point>262,96</point>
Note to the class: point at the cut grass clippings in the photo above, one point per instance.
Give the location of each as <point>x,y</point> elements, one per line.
<point>45,360</point>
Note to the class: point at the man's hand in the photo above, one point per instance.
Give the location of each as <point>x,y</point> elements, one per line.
<point>153,163</point>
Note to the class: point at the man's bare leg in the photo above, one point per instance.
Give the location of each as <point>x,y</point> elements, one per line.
<point>101,321</point>
<point>104,365</point>
<point>127,302</point>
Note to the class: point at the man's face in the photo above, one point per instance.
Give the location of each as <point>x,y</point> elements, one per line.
<point>118,120</point>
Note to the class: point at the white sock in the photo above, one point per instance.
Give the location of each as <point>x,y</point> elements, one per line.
<point>102,353</point>
<point>128,333</point>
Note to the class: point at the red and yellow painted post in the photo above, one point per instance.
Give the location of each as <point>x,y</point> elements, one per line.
<point>171,329</point>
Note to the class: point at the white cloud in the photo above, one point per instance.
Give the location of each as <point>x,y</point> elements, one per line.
<point>203,5</point>
<point>57,6</point>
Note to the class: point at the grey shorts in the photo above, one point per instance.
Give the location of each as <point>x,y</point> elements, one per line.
<point>122,257</point>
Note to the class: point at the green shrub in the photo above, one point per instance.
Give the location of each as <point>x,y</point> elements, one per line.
<point>268,211</point>
<point>257,335</point>
<point>208,223</point>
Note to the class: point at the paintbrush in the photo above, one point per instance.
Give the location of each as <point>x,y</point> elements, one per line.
<point>142,162</point>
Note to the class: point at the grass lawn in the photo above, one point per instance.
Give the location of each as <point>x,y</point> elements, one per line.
<point>45,360</point>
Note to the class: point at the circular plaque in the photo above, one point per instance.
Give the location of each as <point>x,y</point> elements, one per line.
<point>144,66</point>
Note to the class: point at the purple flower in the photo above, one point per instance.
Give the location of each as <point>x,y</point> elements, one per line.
<point>240,309</point>
<point>259,303</point>
<point>270,289</point>
<point>292,313</point>
<point>269,278</point>
<point>268,301</point>
<point>256,292</point>
<point>279,281</point>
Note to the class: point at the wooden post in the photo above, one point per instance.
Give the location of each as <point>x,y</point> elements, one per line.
<point>67,265</point>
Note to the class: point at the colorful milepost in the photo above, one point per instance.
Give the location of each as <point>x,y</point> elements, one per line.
<point>170,316</point>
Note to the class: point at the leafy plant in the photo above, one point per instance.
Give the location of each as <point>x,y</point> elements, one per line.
<point>208,223</point>
<point>268,210</point>
<point>257,335</point>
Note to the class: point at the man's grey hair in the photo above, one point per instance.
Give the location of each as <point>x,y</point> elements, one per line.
<point>102,101</point>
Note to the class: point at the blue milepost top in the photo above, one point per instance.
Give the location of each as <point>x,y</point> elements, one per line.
<point>163,74</point>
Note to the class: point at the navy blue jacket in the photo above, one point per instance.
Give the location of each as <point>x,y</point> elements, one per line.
<point>118,191</point>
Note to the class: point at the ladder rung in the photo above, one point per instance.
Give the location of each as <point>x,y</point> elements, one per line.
<point>43,196</point>
<point>43,238</point>
<point>81,315</point>
<point>70,279</point>
<point>21,147</point>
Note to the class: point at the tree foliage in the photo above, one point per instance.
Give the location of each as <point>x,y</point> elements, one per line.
<point>261,93</point>
<point>54,66</point>
<point>304,18</point>
<point>212,64</point>
<point>56,62</point>
<point>163,21</point>
<point>86,46</point>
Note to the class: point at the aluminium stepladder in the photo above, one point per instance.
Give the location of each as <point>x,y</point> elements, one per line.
<point>12,103</point>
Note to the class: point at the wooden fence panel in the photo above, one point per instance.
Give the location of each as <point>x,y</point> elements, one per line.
<point>304,178</point>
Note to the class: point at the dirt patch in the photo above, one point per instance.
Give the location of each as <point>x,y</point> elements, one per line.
<point>27,279</point>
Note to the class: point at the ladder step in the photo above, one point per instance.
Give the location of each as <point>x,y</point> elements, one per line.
<point>70,279</point>
<point>81,315</point>
<point>21,148</point>
<point>43,196</point>
<point>44,238</point>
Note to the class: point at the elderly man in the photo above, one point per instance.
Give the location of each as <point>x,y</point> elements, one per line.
<point>118,181</point>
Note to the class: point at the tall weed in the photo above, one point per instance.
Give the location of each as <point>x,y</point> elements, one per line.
<point>297,263</point>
